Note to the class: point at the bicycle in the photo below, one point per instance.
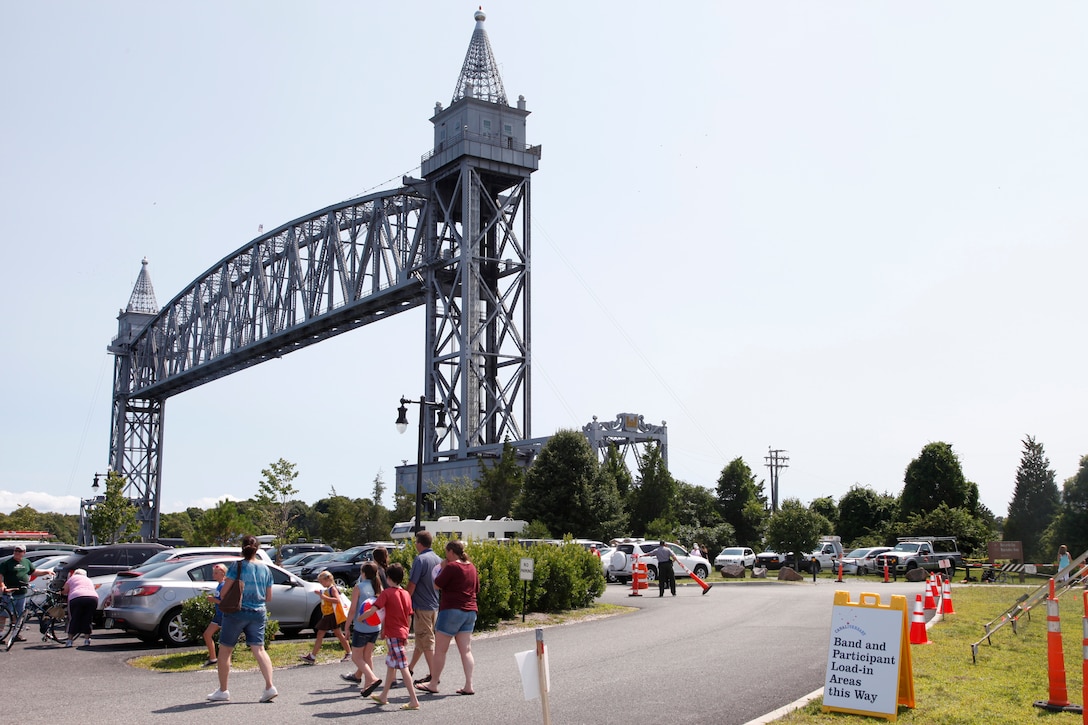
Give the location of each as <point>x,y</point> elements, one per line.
<point>7,613</point>
<point>51,610</point>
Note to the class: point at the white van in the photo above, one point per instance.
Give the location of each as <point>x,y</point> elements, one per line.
<point>454,527</point>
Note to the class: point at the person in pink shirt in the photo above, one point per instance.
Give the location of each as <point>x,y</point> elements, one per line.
<point>82,604</point>
<point>397,604</point>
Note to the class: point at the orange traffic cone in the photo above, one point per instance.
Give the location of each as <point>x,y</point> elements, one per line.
<point>636,580</point>
<point>931,604</point>
<point>1055,660</point>
<point>918,633</point>
<point>946,597</point>
<point>840,572</point>
<point>886,572</point>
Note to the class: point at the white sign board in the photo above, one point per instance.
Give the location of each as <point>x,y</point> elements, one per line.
<point>863,660</point>
<point>526,571</point>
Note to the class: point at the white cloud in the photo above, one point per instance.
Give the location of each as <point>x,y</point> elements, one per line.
<point>9,501</point>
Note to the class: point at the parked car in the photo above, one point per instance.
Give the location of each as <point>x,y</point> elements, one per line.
<point>629,550</point>
<point>149,605</point>
<point>296,563</point>
<point>735,555</point>
<point>7,548</point>
<point>288,550</point>
<point>344,566</point>
<point>862,561</point>
<point>774,560</point>
<point>192,552</point>
<point>108,559</point>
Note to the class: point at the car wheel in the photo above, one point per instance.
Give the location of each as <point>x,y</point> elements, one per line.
<point>171,630</point>
<point>315,617</point>
<point>651,573</point>
<point>290,632</point>
<point>342,583</point>
<point>148,637</point>
<point>623,580</point>
<point>700,571</point>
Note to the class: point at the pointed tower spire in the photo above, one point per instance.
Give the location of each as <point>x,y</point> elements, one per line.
<point>143,294</point>
<point>480,74</point>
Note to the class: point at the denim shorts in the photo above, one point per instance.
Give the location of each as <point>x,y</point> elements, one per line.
<point>452,622</point>
<point>218,618</point>
<point>249,621</point>
<point>362,639</point>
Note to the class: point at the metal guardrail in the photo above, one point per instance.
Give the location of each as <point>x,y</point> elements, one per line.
<point>1065,580</point>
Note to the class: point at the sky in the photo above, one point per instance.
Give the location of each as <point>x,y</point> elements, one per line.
<point>843,230</point>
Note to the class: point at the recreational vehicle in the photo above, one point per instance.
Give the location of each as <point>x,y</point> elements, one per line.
<point>454,527</point>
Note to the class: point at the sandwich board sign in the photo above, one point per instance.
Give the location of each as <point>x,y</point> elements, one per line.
<point>869,669</point>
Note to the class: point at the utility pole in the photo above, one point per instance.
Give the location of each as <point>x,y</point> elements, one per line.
<point>776,458</point>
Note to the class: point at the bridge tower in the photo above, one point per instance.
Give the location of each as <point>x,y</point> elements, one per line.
<point>478,290</point>
<point>136,425</point>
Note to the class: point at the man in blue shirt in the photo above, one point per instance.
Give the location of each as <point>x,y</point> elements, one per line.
<point>424,601</point>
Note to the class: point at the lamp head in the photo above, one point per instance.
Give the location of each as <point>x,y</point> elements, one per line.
<point>402,418</point>
<point>440,427</point>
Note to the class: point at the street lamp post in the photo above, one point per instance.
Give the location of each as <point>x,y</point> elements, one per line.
<point>86,506</point>
<point>439,429</point>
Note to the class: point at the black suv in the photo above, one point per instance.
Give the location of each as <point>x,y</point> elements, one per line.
<point>288,550</point>
<point>344,566</point>
<point>108,559</point>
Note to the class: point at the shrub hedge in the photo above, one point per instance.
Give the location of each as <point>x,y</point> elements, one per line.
<point>564,577</point>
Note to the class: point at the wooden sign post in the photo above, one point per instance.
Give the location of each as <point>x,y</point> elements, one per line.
<point>869,668</point>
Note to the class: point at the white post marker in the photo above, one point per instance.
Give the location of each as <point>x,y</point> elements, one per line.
<point>534,674</point>
<point>525,573</point>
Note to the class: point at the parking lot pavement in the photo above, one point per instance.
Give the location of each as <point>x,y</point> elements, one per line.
<point>598,668</point>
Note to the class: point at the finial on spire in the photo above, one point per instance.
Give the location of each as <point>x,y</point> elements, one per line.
<point>480,73</point>
<point>143,294</point>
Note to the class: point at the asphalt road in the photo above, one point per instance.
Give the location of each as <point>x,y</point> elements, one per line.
<point>728,657</point>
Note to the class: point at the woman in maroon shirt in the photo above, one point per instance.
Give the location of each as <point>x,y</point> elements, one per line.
<point>459,584</point>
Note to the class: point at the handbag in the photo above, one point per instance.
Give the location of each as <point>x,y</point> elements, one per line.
<point>231,601</point>
<point>340,608</point>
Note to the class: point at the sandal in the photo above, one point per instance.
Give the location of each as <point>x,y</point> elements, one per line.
<point>409,706</point>
<point>365,692</point>
<point>425,688</point>
<point>466,692</point>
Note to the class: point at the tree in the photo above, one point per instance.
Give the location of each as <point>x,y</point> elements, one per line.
<point>221,525</point>
<point>607,517</point>
<point>741,502</point>
<point>176,526</point>
<point>862,513</point>
<point>971,533</point>
<point>557,485</point>
<point>1070,526</point>
<point>654,493</point>
<point>114,518</point>
<point>273,499</point>
<point>825,506</point>
<point>459,497</point>
<point>1035,501</point>
<point>933,478</point>
<point>379,488</point>
<point>499,484</point>
<point>339,521</point>
<point>614,464</point>
<point>795,528</point>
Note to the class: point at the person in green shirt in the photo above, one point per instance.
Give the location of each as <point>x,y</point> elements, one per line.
<point>15,576</point>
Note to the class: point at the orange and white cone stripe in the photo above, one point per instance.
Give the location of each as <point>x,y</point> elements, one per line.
<point>918,634</point>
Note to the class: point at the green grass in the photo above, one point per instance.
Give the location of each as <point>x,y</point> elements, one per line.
<point>1011,673</point>
<point>283,653</point>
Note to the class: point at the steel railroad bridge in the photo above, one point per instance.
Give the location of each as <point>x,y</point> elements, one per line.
<point>456,242</point>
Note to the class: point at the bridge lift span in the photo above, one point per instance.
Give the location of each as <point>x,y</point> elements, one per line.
<point>456,242</point>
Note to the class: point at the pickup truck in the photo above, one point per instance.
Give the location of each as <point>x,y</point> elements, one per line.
<point>922,552</point>
<point>827,554</point>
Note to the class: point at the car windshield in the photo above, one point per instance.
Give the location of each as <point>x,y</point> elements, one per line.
<point>858,554</point>
<point>906,546</point>
<point>734,551</point>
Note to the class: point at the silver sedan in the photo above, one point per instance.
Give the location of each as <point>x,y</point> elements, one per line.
<point>150,605</point>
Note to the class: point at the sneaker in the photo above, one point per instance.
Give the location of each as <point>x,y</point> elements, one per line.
<point>346,658</point>
<point>351,678</point>
<point>210,663</point>
<point>307,658</point>
<point>87,642</point>
<point>68,643</point>
<point>219,696</point>
<point>269,695</point>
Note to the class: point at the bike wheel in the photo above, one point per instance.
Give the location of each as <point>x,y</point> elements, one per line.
<point>55,629</point>
<point>14,632</point>
<point>9,622</point>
